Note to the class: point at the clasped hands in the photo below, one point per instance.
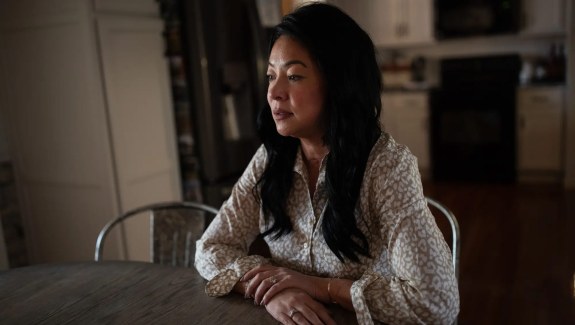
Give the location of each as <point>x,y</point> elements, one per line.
<point>289,296</point>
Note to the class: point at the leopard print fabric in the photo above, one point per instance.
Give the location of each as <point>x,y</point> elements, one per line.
<point>409,277</point>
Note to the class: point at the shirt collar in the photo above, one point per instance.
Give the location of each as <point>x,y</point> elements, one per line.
<point>299,166</point>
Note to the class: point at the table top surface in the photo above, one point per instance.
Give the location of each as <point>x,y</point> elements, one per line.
<point>123,292</point>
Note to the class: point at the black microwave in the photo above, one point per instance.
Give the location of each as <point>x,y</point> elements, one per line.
<point>462,18</point>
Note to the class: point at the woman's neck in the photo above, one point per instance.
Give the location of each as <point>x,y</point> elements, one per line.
<point>313,154</point>
<point>313,150</point>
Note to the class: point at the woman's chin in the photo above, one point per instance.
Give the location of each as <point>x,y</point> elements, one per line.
<point>284,132</point>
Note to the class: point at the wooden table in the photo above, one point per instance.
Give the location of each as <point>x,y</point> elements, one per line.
<point>122,293</point>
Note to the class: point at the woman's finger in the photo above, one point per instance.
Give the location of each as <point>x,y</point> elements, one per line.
<point>278,286</point>
<point>258,280</point>
<point>284,319</point>
<point>264,287</point>
<point>258,269</point>
<point>320,311</point>
<point>301,319</point>
<point>309,314</point>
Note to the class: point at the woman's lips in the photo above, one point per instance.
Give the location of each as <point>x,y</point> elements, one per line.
<point>281,115</point>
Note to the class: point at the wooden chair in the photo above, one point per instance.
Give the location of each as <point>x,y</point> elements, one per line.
<point>174,229</point>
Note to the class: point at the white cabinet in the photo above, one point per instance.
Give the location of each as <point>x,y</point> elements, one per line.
<point>542,17</point>
<point>393,22</point>
<point>406,117</point>
<point>85,92</point>
<point>539,132</point>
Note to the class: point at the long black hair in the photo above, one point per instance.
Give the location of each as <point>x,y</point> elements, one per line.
<point>346,59</point>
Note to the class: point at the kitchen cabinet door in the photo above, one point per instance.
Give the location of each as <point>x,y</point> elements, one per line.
<point>539,129</point>
<point>413,22</point>
<point>86,101</point>
<point>393,22</point>
<point>543,17</point>
<point>406,117</point>
<point>141,126</point>
<point>54,109</point>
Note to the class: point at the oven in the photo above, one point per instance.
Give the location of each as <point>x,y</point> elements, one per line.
<point>473,119</point>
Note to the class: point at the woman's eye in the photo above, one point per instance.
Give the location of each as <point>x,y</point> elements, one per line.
<point>270,77</point>
<point>294,77</point>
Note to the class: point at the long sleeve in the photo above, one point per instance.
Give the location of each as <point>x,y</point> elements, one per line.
<point>221,252</point>
<point>412,281</point>
<point>420,287</point>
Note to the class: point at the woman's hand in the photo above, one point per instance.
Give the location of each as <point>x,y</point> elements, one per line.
<point>294,306</point>
<point>265,281</point>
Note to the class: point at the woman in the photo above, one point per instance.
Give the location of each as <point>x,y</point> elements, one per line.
<point>338,202</point>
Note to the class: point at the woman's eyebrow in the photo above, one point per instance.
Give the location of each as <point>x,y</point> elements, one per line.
<point>289,63</point>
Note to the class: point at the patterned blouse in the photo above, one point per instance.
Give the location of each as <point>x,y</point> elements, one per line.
<point>409,277</point>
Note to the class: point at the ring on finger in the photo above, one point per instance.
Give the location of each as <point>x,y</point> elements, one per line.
<point>273,280</point>
<point>292,312</point>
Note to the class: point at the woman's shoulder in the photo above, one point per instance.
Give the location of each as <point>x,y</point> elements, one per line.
<point>259,158</point>
<point>261,153</point>
<point>256,165</point>
<point>386,152</point>
<point>392,179</point>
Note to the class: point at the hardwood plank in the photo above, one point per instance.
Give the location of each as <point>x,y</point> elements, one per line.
<point>517,251</point>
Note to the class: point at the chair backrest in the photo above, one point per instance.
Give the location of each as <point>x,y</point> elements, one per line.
<point>455,236</point>
<point>174,229</point>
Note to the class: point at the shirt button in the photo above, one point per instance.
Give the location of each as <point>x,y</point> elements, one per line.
<point>305,246</point>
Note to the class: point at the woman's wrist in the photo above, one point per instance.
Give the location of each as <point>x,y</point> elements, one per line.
<point>331,291</point>
<point>324,290</point>
<point>338,292</point>
<point>241,287</point>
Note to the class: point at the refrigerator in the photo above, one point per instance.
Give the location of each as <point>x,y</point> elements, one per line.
<point>217,51</point>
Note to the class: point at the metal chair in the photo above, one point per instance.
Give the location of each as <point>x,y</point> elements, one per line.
<point>455,237</point>
<point>174,228</point>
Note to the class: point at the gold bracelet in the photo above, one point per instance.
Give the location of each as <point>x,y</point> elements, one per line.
<point>329,292</point>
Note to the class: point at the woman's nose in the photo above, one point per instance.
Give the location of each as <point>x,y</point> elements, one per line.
<point>276,91</point>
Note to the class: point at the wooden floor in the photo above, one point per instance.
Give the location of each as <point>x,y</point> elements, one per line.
<point>517,252</point>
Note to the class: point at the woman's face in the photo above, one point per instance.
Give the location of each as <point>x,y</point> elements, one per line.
<point>296,91</point>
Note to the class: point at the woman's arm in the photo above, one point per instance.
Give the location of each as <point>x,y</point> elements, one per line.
<point>264,282</point>
<point>419,285</point>
<point>221,252</point>
<point>412,280</point>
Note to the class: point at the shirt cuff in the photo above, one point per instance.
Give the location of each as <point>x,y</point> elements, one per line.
<point>359,300</point>
<point>224,282</point>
